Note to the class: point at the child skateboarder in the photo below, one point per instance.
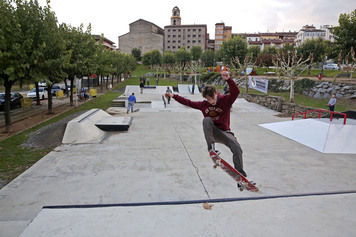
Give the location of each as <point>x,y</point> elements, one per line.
<point>216,122</point>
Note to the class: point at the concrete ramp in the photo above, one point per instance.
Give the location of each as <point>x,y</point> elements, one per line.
<point>90,127</point>
<point>162,89</point>
<point>183,89</point>
<point>196,89</point>
<point>132,89</point>
<point>321,135</point>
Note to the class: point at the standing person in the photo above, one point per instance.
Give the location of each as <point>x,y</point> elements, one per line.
<point>216,122</point>
<point>132,101</point>
<point>332,102</point>
<point>157,81</point>
<point>142,85</point>
<point>148,81</point>
<point>170,92</point>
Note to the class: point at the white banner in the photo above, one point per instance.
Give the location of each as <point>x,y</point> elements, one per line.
<point>258,84</point>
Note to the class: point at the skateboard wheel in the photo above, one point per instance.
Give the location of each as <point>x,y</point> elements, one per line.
<point>215,166</point>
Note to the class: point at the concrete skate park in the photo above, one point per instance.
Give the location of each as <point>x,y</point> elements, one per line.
<point>153,178</point>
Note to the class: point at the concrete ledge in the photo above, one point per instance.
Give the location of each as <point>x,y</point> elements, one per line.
<point>114,123</point>
<point>90,127</point>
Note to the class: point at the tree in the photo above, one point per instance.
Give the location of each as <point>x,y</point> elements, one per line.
<point>292,66</point>
<point>136,53</point>
<point>315,47</point>
<point>196,52</point>
<point>248,62</point>
<point>182,58</point>
<point>270,50</point>
<point>234,47</point>
<point>345,33</point>
<point>168,61</point>
<point>55,57</point>
<point>152,58</point>
<point>208,58</point>
<point>254,51</point>
<point>21,49</point>
<point>84,52</point>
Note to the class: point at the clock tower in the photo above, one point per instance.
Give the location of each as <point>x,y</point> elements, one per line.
<point>175,18</point>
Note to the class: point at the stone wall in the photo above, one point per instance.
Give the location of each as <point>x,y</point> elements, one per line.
<point>321,90</point>
<point>324,90</point>
<point>279,104</point>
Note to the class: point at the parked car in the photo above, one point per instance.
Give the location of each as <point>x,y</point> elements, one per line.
<point>64,89</point>
<point>331,66</point>
<point>42,83</point>
<point>15,100</point>
<point>42,92</point>
<point>54,89</point>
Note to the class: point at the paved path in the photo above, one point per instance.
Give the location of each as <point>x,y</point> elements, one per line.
<point>163,159</point>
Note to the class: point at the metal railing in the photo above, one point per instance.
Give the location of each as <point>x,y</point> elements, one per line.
<point>321,110</point>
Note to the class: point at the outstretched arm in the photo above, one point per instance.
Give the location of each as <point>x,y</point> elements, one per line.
<point>184,101</point>
<point>234,89</point>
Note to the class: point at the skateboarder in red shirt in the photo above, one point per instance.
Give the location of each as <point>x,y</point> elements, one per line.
<point>216,123</point>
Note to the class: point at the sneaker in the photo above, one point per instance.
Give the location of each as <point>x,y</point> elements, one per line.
<point>217,152</point>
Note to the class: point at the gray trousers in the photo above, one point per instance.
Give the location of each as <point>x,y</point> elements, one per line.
<point>215,135</point>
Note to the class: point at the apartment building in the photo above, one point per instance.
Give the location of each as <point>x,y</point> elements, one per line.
<point>222,34</point>
<point>177,35</point>
<point>264,40</point>
<point>310,32</point>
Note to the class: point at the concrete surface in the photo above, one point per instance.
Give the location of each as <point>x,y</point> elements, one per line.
<point>319,134</point>
<point>163,158</point>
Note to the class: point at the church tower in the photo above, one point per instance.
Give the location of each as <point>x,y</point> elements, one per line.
<point>175,19</point>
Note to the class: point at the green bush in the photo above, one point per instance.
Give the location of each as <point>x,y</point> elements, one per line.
<point>207,76</point>
<point>274,85</point>
<point>302,85</point>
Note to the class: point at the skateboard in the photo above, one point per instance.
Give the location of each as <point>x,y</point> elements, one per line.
<point>164,101</point>
<point>237,176</point>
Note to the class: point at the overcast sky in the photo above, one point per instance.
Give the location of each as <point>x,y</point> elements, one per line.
<point>112,17</point>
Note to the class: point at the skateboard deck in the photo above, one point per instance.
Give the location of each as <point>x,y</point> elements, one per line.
<point>237,176</point>
<point>164,101</point>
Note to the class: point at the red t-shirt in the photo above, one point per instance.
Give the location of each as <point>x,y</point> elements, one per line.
<point>220,113</point>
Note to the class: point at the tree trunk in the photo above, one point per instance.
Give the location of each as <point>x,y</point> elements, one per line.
<point>8,85</point>
<point>66,87</point>
<point>101,83</point>
<point>37,94</point>
<point>71,91</point>
<point>49,94</point>
<point>246,82</point>
<point>291,95</point>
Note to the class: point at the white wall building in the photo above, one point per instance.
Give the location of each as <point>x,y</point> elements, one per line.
<point>310,32</point>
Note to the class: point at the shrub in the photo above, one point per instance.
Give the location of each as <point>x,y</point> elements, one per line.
<point>302,85</point>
